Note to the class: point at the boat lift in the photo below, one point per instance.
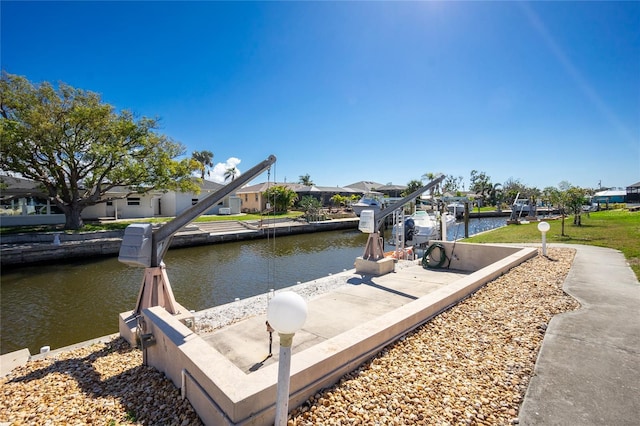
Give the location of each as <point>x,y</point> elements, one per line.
<point>143,247</point>
<point>374,250</point>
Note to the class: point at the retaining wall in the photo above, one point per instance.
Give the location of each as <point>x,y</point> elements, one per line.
<point>29,248</point>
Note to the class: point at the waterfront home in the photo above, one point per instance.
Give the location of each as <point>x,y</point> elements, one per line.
<point>253,199</point>
<point>22,202</point>
<point>610,196</point>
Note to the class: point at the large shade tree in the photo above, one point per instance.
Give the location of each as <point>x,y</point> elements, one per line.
<point>78,147</point>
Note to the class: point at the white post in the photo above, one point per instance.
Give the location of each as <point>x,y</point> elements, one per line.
<point>286,313</point>
<point>543,227</point>
<point>284,371</point>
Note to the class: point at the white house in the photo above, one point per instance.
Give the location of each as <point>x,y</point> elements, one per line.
<point>23,203</point>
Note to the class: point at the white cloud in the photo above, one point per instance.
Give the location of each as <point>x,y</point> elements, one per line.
<point>217,173</point>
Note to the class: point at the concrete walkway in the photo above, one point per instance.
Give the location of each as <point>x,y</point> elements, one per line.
<point>588,369</point>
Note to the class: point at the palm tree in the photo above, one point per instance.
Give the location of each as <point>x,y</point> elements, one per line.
<point>305,180</point>
<point>230,173</point>
<point>205,158</point>
<point>434,189</point>
<point>412,186</point>
<point>496,195</point>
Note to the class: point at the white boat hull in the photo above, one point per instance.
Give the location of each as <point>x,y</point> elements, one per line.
<point>426,228</point>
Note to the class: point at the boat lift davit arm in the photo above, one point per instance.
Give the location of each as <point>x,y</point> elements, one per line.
<point>163,235</point>
<point>374,249</point>
<point>379,216</point>
<point>146,248</point>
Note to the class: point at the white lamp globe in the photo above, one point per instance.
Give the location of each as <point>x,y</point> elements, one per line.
<point>543,227</point>
<point>287,312</point>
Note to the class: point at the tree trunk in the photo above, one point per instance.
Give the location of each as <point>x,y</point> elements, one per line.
<point>73,220</point>
<point>562,225</point>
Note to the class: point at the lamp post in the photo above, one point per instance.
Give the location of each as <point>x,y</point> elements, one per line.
<point>286,313</point>
<point>543,227</point>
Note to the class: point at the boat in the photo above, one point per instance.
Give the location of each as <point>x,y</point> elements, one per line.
<point>420,227</point>
<point>456,209</point>
<point>370,201</point>
<point>521,207</point>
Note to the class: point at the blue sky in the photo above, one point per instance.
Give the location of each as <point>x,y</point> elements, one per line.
<point>542,92</point>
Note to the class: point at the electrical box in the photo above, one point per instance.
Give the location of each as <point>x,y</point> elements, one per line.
<point>224,210</point>
<point>135,249</point>
<point>367,221</point>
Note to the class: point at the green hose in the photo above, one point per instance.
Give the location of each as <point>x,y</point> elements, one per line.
<point>428,262</point>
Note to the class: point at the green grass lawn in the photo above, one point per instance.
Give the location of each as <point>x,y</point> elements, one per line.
<point>617,229</point>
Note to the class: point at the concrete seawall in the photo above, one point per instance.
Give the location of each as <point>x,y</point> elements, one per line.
<point>25,249</point>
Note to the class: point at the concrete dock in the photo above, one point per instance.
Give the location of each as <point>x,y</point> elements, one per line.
<point>245,343</point>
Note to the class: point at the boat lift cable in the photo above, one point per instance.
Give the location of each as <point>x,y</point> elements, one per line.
<point>270,243</point>
<point>270,263</point>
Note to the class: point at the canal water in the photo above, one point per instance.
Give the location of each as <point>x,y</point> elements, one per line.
<point>69,302</point>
